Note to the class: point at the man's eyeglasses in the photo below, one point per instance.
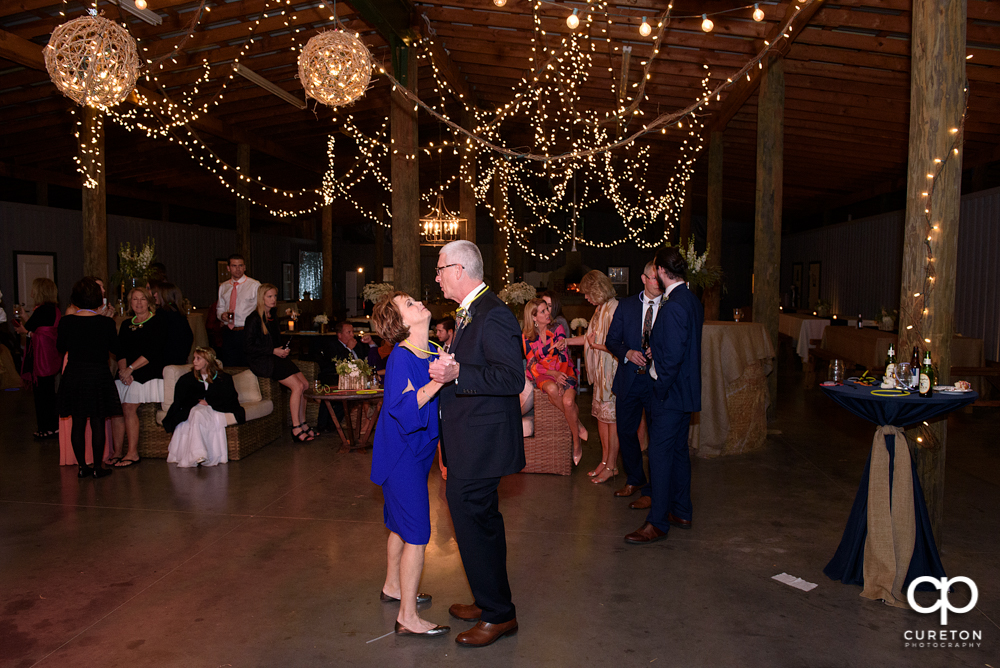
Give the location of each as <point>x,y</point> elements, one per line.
<point>440,269</point>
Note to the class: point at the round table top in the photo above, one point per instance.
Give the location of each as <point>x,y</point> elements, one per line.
<point>348,395</point>
<point>896,410</point>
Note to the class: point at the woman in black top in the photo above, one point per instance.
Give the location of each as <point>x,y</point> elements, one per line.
<point>42,361</point>
<point>268,358</point>
<point>178,337</point>
<point>87,391</point>
<point>140,367</point>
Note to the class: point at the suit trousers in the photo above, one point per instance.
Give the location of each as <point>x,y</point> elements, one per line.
<point>630,407</point>
<point>482,542</point>
<point>669,466</point>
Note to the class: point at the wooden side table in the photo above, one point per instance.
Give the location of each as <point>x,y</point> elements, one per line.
<point>355,438</point>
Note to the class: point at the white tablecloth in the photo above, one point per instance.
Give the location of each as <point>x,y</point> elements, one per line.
<point>802,327</point>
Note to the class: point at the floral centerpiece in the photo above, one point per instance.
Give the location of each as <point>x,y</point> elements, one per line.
<point>579,324</point>
<point>133,264</point>
<point>321,321</point>
<point>373,292</point>
<point>700,274</point>
<point>353,374</point>
<point>517,293</point>
<point>823,308</point>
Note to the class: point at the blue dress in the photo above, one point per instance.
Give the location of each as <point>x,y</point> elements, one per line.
<point>406,440</point>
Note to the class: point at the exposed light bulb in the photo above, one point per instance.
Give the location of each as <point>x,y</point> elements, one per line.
<point>706,23</point>
<point>644,28</point>
<point>140,4</point>
<point>573,21</point>
<point>499,3</point>
<point>758,13</point>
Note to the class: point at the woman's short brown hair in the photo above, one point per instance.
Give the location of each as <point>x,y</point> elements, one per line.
<point>387,320</point>
<point>598,285</point>
<point>150,302</point>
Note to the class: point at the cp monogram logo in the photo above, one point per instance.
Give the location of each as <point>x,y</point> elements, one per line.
<point>942,604</point>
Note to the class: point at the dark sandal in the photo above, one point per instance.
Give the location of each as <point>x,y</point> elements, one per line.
<point>125,463</point>
<point>303,435</point>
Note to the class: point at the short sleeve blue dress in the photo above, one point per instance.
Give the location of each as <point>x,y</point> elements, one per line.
<point>406,440</point>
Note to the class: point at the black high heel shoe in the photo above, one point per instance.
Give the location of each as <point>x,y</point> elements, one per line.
<point>303,434</point>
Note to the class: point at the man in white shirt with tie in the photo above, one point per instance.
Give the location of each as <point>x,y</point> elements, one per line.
<point>628,340</point>
<point>237,300</point>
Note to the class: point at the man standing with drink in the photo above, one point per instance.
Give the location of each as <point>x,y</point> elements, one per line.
<point>481,435</point>
<point>237,299</point>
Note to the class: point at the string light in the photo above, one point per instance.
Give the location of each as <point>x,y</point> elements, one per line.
<point>499,3</point>
<point>758,13</point>
<point>140,4</point>
<point>644,28</point>
<point>706,23</point>
<point>573,21</point>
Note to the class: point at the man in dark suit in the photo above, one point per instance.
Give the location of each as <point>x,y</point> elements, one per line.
<point>628,340</point>
<point>481,435</point>
<point>676,373</point>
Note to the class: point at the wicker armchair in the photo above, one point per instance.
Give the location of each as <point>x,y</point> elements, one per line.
<point>550,449</point>
<point>243,439</point>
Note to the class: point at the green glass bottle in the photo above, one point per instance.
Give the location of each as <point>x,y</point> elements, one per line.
<point>890,364</point>
<point>927,377</point>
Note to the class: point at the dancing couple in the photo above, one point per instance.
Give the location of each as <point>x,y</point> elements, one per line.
<point>467,397</point>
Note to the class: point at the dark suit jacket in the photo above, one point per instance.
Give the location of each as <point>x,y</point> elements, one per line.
<point>625,334</point>
<point>676,344</point>
<point>221,395</point>
<point>332,351</point>
<point>481,433</point>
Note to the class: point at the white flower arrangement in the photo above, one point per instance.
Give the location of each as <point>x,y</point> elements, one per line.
<point>134,263</point>
<point>699,273</point>
<point>373,292</point>
<point>321,319</point>
<point>354,369</point>
<point>579,323</point>
<point>517,293</point>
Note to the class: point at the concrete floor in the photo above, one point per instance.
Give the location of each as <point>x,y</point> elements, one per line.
<point>277,560</point>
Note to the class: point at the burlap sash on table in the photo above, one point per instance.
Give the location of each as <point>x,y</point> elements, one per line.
<point>891,522</point>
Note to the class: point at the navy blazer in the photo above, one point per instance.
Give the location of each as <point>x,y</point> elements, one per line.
<point>481,433</point>
<point>625,334</point>
<point>676,344</point>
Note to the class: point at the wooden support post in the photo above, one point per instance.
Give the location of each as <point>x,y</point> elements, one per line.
<point>500,236</point>
<point>767,230</point>
<point>466,193</point>
<point>326,237</point>
<point>243,206</point>
<point>405,182</point>
<point>379,253</point>
<point>937,100</point>
<point>714,294</point>
<point>95,206</point>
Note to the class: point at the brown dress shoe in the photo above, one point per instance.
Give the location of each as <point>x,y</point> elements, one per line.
<point>467,613</point>
<point>484,633</point>
<point>627,490</point>
<point>647,534</point>
<point>641,503</point>
<point>678,522</point>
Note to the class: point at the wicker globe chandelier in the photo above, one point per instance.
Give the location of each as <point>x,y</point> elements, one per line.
<point>335,68</point>
<point>92,61</point>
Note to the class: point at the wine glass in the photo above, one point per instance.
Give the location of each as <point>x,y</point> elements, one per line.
<point>902,374</point>
<point>837,371</point>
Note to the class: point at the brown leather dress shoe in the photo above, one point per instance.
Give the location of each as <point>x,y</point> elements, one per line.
<point>484,633</point>
<point>467,613</point>
<point>678,522</point>
<point>627,490</point>
<point>647,534</point>
<point>641,503</point>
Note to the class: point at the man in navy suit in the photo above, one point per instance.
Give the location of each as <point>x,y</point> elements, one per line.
<point>676,373</point>
<point>481,435</point>
<point>628,340</point>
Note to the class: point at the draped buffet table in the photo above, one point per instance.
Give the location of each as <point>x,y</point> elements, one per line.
<point>802,327</point>
<point>735,360</point>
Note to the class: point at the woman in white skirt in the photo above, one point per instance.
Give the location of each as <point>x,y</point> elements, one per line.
<point>140,370</point>
<point>197,417</point>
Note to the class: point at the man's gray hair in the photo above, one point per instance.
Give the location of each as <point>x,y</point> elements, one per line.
<point>650,265</point>
<point>466,254</point>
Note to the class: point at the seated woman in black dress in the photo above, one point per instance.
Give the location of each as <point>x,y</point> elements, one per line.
<point>197,418</point>
<point>178,337</point>
<point>140,369</point>
<point>87,390</point>
<point>268,358</point>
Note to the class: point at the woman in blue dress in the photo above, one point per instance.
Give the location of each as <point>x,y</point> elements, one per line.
<point>405,444</point>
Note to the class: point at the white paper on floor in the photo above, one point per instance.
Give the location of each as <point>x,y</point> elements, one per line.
<point>793,581</point>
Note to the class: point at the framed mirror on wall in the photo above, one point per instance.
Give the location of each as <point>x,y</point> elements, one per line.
<point>29,265</point>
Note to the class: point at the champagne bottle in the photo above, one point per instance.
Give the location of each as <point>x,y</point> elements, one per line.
<point>890,364</point>
<point>927,377</point>
<point>915,368</point>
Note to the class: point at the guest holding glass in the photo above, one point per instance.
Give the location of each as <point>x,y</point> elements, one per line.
<point>405,443</point>
<point>197,417</point>
<point>87,391</point>
<point>267,356</point>
<point>601,368</point>
<point>141,341</point>
<point>550,368</point>
<point>178,335</point>
<point>42,361</point>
